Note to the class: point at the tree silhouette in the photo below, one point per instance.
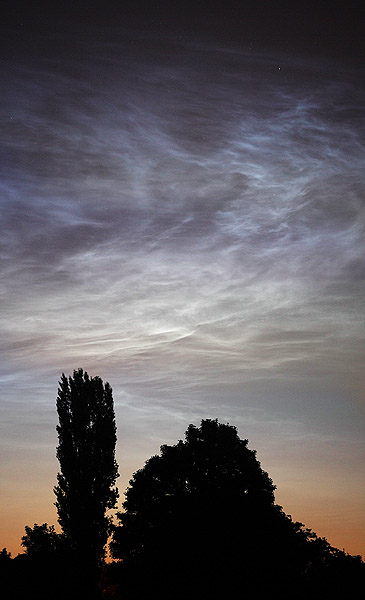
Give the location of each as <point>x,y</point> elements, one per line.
<point>42,571</point>
<point>200,521</point>
<point>197,518</point>
<point>86,453</point>
<point>5,572</point>
<point>5,556</point>
<point>42,540</point>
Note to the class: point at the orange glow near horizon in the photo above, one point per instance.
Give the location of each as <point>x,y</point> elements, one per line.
<point>335,518</point>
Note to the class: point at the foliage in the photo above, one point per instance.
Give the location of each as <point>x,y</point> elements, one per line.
<point>86,453</point>
<point>200,521</point>
<point>330,572</point>
<point>5,556</point>
<point>41,571</point>
<point>202,511</point>
<point>212,466</point>
<point>42,540</point>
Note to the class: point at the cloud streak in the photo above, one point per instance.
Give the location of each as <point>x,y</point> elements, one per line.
<point>190,200</point>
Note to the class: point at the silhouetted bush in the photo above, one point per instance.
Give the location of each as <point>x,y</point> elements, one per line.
<point>43,571</point>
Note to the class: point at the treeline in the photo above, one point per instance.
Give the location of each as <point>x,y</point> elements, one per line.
<point>199,521</point>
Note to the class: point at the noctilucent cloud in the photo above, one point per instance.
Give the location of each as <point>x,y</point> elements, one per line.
<point>185,218</point>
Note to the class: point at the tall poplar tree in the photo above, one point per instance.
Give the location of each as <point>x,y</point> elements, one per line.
<point>88,469</point>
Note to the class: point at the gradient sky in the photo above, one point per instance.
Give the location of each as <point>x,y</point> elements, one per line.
<point>182,214</point>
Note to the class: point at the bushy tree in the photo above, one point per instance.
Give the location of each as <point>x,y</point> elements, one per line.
<point>5,572</point>
<point>88,469</point>
<point>43,540</point>
<point>331,573</point>
<point>201,518</point>
<point>42,571</point>
<point>200,521</point>
<point>5,556</point>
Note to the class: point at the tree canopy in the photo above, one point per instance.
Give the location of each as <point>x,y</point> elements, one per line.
<point>88,469</point>
<point>43,540</point>
<point>203,510</point>
<point>200,520</point>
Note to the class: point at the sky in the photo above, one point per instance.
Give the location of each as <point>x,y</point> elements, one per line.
<point>182,214</point>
